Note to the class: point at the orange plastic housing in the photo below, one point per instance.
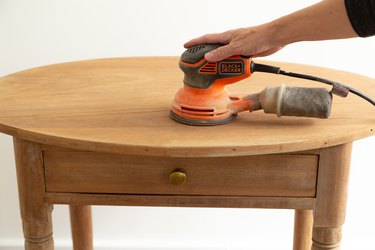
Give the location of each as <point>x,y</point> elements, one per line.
<point>209,104</point>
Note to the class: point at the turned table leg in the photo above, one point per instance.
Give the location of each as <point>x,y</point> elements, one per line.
<point>81,223</point>
<point>303,223</point>
<point>35,212</point>
<point>330,207</point>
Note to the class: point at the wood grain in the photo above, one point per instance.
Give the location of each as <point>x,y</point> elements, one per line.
<point>180,200</point>
<point>97,132</point>
<point>303,224</point>
<point>332,187</point>
<point>264,175</point>
<point>81,224</point>
<point>116,105</point>
<point>35,211</point>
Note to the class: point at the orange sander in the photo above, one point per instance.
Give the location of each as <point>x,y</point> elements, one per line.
<point>203,100</point>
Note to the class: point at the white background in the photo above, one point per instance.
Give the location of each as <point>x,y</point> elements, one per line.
<point>34,33</point>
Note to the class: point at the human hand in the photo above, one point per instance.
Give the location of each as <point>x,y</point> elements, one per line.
<point>253,41</point>
<point>324,20</point>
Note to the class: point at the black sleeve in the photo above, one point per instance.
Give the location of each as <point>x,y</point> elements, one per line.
<point>361,14</point>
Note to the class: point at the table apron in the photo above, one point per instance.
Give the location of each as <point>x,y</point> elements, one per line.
<point>181,201</point>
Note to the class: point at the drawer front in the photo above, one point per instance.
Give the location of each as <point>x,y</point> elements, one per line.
<point>268,175</point>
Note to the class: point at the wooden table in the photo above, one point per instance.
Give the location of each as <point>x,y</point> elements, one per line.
<point>98,133</point>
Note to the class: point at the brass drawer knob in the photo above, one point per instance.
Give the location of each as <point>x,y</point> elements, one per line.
<point>177,177</point>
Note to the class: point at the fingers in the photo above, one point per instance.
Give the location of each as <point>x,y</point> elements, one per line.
<point>217,54</point>
<point>209,38</point>
<point>220,53</point>
<point>255,41</point>
<point>267,52</point>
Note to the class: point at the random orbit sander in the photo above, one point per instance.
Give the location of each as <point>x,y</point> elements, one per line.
<point>203,100</point>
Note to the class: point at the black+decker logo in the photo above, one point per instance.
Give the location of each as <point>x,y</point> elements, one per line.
<point>231,67</point>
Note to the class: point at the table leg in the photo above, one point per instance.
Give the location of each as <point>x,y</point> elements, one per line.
<point>81,223</point>
<point>35,212</point>
<point>303,223</point>
<point>330,207</point>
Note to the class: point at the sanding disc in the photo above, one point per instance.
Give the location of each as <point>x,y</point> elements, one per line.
<point>202,122</point>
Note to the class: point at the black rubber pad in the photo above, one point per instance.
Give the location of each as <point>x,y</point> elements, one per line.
<point>202,122</point>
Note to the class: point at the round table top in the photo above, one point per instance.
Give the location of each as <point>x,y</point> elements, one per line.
<point>122,105</point>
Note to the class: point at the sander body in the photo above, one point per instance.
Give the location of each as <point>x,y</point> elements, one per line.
<point>204,100</point>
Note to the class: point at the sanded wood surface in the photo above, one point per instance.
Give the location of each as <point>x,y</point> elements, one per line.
<point>264,175</point>
<point>122,105</point>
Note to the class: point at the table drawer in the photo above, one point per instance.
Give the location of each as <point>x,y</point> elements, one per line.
<point>268,175</point>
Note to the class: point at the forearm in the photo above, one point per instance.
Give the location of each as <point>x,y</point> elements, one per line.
<point>325,20</point>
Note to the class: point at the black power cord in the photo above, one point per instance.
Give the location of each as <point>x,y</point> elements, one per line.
<point>338,88</point>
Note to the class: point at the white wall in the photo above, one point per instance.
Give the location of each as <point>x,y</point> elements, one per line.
<point>40,32</point>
